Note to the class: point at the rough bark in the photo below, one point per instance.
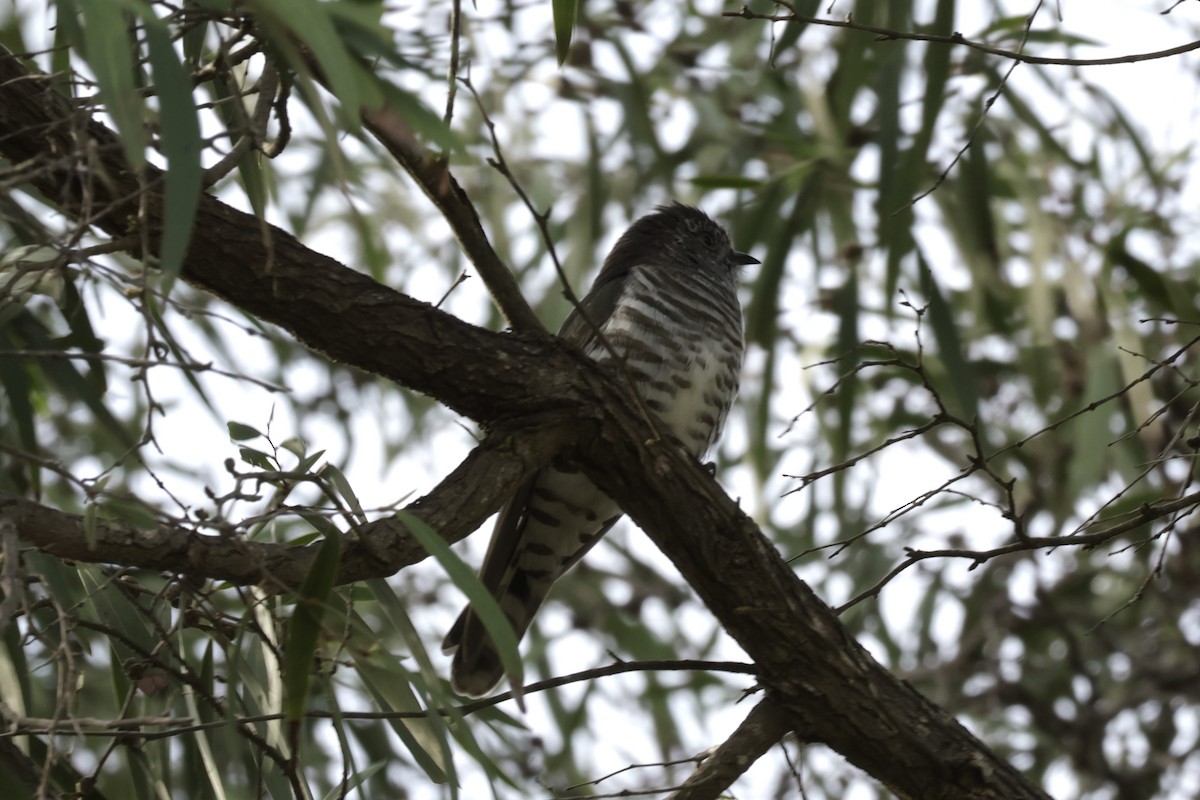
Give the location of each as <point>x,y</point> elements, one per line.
<point>829,685</point>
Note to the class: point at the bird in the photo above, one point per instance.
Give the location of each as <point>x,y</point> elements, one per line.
<point>665,305</point>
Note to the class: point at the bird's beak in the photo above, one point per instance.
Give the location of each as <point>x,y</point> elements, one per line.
<point>744,259</point>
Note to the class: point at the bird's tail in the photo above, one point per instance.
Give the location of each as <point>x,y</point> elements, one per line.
<point>541,533</point>
<point>476,668</point>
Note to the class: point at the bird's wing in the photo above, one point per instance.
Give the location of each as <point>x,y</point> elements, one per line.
<point>592,312</point>
<point>580,331</point>
<point>477,667</point>
<point>506,537</point>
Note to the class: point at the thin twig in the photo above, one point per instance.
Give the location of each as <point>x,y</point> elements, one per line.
<point>143,363</point>
<point>886,34</point>
<point>983,114</point>
<point>1144,515</point>
<point>452,70</point>
<point>82,727</point>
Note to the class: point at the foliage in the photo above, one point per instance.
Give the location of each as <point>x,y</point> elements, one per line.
<point>968,416</point>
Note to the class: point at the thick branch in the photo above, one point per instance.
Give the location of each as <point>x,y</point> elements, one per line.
<point>823,679</point>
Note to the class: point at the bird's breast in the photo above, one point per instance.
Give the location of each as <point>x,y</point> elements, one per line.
<point>680,343</point>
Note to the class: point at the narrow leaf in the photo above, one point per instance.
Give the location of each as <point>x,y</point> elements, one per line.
<point>344,488</point>
<point>429,125</point>
<point>18,388</point>
<point>482,602</point>
<point>429,684</point>
<point>725,182</point>
<point>108,52</point>
<point>181,145</point>
<point>65,375</point>
<point>565,12</point>
<point>393,692</point>
<point>959,370</point>
<point>304,628</point>
<point>310,23</point>
<point>256,458</point>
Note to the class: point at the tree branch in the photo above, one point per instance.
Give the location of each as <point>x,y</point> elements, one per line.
<point>78,164</point>
<point>458,506</point>
<point>433,175</point>
<point>765,725</point>
<point>822,678</point>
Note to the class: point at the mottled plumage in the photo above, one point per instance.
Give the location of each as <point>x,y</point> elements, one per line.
<point>666,302</point>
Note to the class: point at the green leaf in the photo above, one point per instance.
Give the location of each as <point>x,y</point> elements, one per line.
<point>1092,432</point>
<point>68,41</point>
<point>393,692</point>
<point>64,583</point>
<point>357,779</point>
<point>108,50</point>
<point>725,182</point>
<point>937,71</point>
<point>18,388</point>
<point>310,23</point>
<point>320,523</point>
<point>1153,286</point>
<point>482,602</point>
<point>256,458</point>
<point>122,614</point>
<point>181,145</point>
<point>304,628</point>
<point>253,177</point>
<point>305,464</point>
<point>90,514</point>
<point>83,335</point>
<point>65,375</point>
<point>428,682</point>
<point>240,432</point>
<point>344,488</point>
<point>193,42</point>
<point>362,30</point>
<point>565,13</point>
<point>152,306</point>
<point>846,306</point>
<point>959,370</point>
<point>424,122</point>
<point>16,682</point>
<point>31,269</point>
